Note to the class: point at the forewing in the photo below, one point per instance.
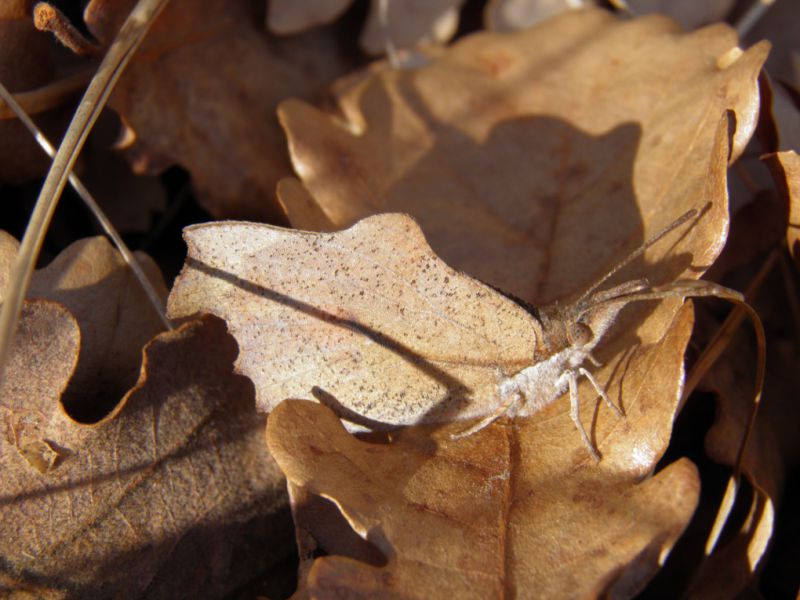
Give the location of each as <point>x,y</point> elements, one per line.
<point>368,320</point>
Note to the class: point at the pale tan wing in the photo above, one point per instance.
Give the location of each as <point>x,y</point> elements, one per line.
<point>367,320</point>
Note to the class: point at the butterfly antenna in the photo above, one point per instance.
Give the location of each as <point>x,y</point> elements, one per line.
<point>689,214</point>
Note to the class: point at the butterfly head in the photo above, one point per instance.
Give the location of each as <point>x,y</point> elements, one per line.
<point>579,325</point>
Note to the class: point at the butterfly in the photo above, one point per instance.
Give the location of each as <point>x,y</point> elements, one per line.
<point>372,323</point>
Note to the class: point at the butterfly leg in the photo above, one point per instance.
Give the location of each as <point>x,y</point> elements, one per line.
<point>572,379</point>
<point>600,391</point>
<point>503,408</point>
<point>593,360</point>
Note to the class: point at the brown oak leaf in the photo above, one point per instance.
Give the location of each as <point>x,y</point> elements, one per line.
<point>773,450</point>
<point>201,92</point>
<point>34,69</point>
<point>288,16</point>
<point>173,494</point>
<point>688,13</point>
<point>407,22</point>
<point>757,227</point>
<point>732,568</point>
<point>785,168</point>
<point>517,152</point>
<point>130,201</point>
<point>8,251</point>
<point>513,15</point>
<point>116,320</point>
<point>370,322</point>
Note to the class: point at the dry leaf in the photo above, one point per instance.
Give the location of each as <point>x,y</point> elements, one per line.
<point>28,69</point>
<point>44,358</point>
<point>689,13</point>
<point>410,23</point>
<point>785,168</point>
<point>369,322</point>
<point>174,494</point>
<point>8,250</point>
<point>201,92</point>
<point>773,451</point>
<point>128,200</point>
<point>517,152</point>
<point>294,16</point>
<point>505,512</point>
<point>116,320</point>
<point>729,570</point>
<point>513,15</point>
<point>756,228</point>
<point>407,23</point>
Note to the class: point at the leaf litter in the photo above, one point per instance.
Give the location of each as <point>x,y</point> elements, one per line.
<point>642,355</point>
<point>400,23</point>
<point>34,67</point>
<point>201,93</point>
<point>269,285</point>
<point>513,15</point>
<point>388,323</point>
<point>173,493</point>
<point>515,152</point>
<point>93,282</point>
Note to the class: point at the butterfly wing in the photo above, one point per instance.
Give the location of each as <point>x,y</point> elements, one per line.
<point>367,320</point>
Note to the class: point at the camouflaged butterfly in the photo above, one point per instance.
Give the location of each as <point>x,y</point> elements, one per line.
<point>370,322</point>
